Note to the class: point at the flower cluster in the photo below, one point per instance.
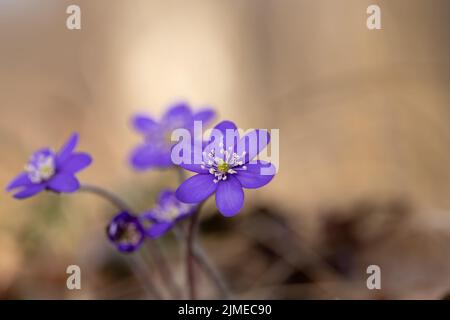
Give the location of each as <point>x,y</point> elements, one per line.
<point>226,165</point>
<point>127,231</point>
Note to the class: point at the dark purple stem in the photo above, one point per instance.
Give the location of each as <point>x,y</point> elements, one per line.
<point>190,257</point>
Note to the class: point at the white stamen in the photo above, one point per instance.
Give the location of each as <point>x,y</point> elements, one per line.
<point>216,165</point>
<point>40,168</point>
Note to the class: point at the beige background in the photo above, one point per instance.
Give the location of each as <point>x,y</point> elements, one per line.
<point>363,115</point>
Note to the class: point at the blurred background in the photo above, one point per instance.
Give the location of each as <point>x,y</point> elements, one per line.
<point>364,141</point>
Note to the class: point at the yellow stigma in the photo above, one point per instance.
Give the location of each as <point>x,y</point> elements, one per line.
<point>223,166</point>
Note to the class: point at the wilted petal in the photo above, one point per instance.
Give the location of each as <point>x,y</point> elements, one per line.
<point>196,188</point>
<point>229,196</point>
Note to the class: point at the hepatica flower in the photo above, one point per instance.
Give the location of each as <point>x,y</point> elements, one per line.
<point>168,211</point>
<point>126,232</point>
<point>226,166</point>
<point>50,170</point>
<point>155,151</point>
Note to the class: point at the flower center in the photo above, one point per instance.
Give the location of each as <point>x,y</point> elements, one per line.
<point>128,233</point>
<point>223,167</point>
<point>41,167</point>
<point>220,167</point>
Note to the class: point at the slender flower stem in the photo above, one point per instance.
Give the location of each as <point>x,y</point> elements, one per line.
<point>190,257</point>
<point>164,269</point>
<point>211,271</point>
<point>207,266</point>
<point>144,277</point>
<point>108,195</point>
<point>156,253</point>
<point>190,252</point>
<point>199,254</point>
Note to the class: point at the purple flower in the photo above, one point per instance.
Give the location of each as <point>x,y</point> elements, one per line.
<point>226,167</point>
<point>49,170</point>
<point>155,151</point>
<point>126,232</point>
<point>168,211</point>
